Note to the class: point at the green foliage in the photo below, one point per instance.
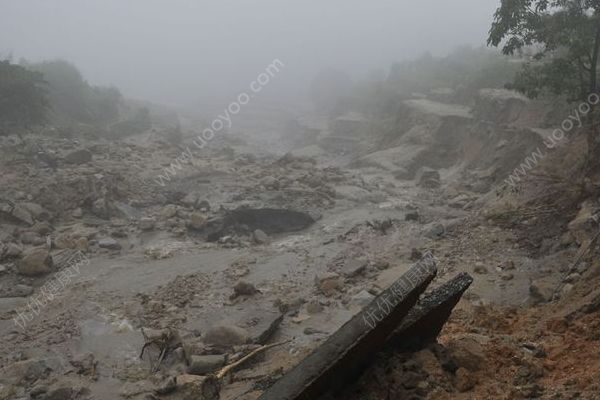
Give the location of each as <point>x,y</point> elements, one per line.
<point>466,70</point>
<point>565,35</point>
<point>73,99</point>
<point>23,97</point>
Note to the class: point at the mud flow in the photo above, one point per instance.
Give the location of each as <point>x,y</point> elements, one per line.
<point>421,231</point>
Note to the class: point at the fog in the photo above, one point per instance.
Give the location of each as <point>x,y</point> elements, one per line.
<point>183,52</point>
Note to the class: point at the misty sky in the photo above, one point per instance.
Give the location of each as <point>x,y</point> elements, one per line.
<point>179,51</point>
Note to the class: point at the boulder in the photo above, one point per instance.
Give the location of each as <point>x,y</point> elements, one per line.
<point>13,250</point>
<point>38,212</point>
<point>243,288</point>
<point>32,238</point>
<point>584,226</point>
<point>260,237</point>
<point>362,299</point>
<point>42,228</point>
<point>328,283</point>
<point>35,262</point>
<point>542,290</point>
<point>25,372</point>
<point>270,182</point>
<point>197,221</point>
<point>109,243</point>
<point>168,211</point>
<point>226,335</point>
<point>195,387</point>
<point>147,224</point>
<point>206,364</point>
<point>15,213</point>
<point>354,267</point>
<point>412,216</point>
<point>468,353</point>
<point>100,209</point>
<point>465,380</point>
<point>480,268</point>
<point>79,157</point>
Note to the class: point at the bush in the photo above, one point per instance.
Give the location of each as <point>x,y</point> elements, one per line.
<point>23,98</point>
<point>72,99</point>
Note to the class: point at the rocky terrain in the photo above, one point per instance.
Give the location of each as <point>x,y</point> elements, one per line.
<point>115,283</point>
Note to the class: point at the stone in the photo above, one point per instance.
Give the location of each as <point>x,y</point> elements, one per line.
<point>13,250</point>
<point>328,283</point>
<point>243,288</point>
<point>206,364</point>
<point>260,237</point>
<point>147,224</point>
<point>507,276</point>
<point>100,209</point>
<point>85,364</point>
<point>541,290</point>
<point>35,262</point>
<point>464,380</point>
<point>584,226</point>
<point>38,212</point>
<point>25,372</point>
<point>226,335</point>
<point>427,178</point>
<point>3,269</point>
<point>566,289</point>
<point>354,267</point>
<point>435,230</point>
<point>190,200</point>
<point>480,268</point>
<point>571,278</point>
<point>197,221</point>
<point>42,228</point>
<point>109,243</point>
<point>32,238</point>
<point>270,182</point>
<point>17,213</point>
<point>362,298</point>
<point>77,213</point>
<point>381,265</point>
<point>508,265</point>
<point>169,211</point>
<point>195,387</point>
<point>79,157</point>
<point>468,353</point>
<point>60,393</point>
<point>412,216</point>
<point>203,206</point>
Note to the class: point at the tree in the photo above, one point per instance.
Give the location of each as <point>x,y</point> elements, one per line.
<point>74,99</point>
<point>23,97</point>
<point>565,35</point>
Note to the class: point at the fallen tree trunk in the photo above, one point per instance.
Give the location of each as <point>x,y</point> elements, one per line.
<point>345,355</point>
<point>426,320</point>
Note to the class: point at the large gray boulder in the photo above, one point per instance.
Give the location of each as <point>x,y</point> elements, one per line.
<point>35,262</point>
